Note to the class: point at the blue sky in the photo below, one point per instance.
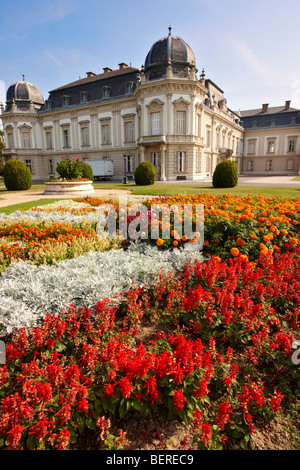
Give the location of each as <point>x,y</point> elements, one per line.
<point>249,49</point>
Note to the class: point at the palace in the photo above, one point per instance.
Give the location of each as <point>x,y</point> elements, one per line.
<point>160,112</point>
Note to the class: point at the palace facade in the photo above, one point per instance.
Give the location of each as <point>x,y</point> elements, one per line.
<point>161,112</point>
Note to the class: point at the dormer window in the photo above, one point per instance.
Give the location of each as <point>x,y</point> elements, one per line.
<point>84,97</point>
<point>66,100</point>
<point>273,122</point>
<point>48,105</point>
<point>128,87</point>
<point>106,92</point>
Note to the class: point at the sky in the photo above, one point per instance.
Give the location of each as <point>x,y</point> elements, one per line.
<point>249,49</point>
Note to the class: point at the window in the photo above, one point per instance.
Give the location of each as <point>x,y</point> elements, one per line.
<point>105,134</point>
<point>218,140</point>
<point>250,165</point>
<point>49,140</point>
<point>197,125</point>
<point>207,165</point>
<point>83,97</point>
<point>10,140</point>
<point>66,138</point>
<point>106,92</point>
<point>128,87</point>
<point>198,166</point>
<point>85,137</point>
<point>180,161</point>
<point>292,146</point>
<point>155,123</point>
<point>251,147</point>
<point>273,122</point>
<point>50,167</point>
<point>290,164</point>
<point>25,139</point>
<point>207,137</point>
<point>65,100</point>
<point>271,146</point>
<point>129,164</point>
<point>28,163</point>
<point>180,122</point>
<point>129,131</point>
<point>155,158</point>
<point>269,165</point>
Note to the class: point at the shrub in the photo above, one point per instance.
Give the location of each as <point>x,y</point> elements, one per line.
<point>144,174</point>
<point>16,175</point>
<point>87,172</point>
<point>69,169</point>
<point>225,174</point>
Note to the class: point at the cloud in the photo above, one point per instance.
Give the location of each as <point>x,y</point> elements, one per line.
<point>260,69</point>
<point>49,12</point>
<point>36,14</point>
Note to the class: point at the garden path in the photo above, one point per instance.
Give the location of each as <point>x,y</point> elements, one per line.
<point>19,197</point>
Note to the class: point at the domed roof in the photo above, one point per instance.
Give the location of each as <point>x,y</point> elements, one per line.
<point>170,50</point>
<point>23,93</point>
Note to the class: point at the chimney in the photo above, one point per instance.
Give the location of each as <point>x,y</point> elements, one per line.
<point>107,69</point>
<point>122,65</point>
<point>90,74</point>
<point>265,107</point>
<point>287,105</point>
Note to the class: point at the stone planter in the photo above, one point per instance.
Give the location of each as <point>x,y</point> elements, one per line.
<point>69,188</point>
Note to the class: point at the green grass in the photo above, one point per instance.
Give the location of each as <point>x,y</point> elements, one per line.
<point>177,189</point>
<point>26,205</point>
<point>160,189</point>
<point>297,178</point>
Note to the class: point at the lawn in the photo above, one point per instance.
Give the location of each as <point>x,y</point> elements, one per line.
<point>118,345</point>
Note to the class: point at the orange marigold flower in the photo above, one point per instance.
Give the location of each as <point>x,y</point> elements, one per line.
<point>159,242</point>
<point>234,251</point>
<point>240,242</point>
<point>293,241</point>
<point>175,242</point>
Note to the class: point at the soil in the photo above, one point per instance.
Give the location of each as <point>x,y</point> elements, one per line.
<point>157,433</point>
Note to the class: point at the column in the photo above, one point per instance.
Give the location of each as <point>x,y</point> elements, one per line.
<point>163,162</point>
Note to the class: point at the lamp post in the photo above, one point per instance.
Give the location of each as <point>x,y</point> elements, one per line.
<point>125,169</point>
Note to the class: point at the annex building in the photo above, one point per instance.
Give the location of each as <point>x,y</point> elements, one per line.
<point>161,112</point>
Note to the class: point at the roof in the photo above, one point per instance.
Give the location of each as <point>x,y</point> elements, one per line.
<point>270,110</point>
<point>96,77</point>
<point>265,117</point>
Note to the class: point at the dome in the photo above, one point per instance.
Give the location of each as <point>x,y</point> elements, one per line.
<point>170,50</point>
<point>22,93</point>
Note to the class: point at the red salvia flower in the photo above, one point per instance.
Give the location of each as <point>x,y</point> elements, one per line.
<point>179,399</point>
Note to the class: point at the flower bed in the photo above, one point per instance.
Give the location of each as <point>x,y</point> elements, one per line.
<point>81,372</point>
<point>233,226</point>
<point>153,332</point>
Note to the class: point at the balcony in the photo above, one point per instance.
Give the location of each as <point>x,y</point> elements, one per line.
<point>152,139</point>
<point>225,152</point>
